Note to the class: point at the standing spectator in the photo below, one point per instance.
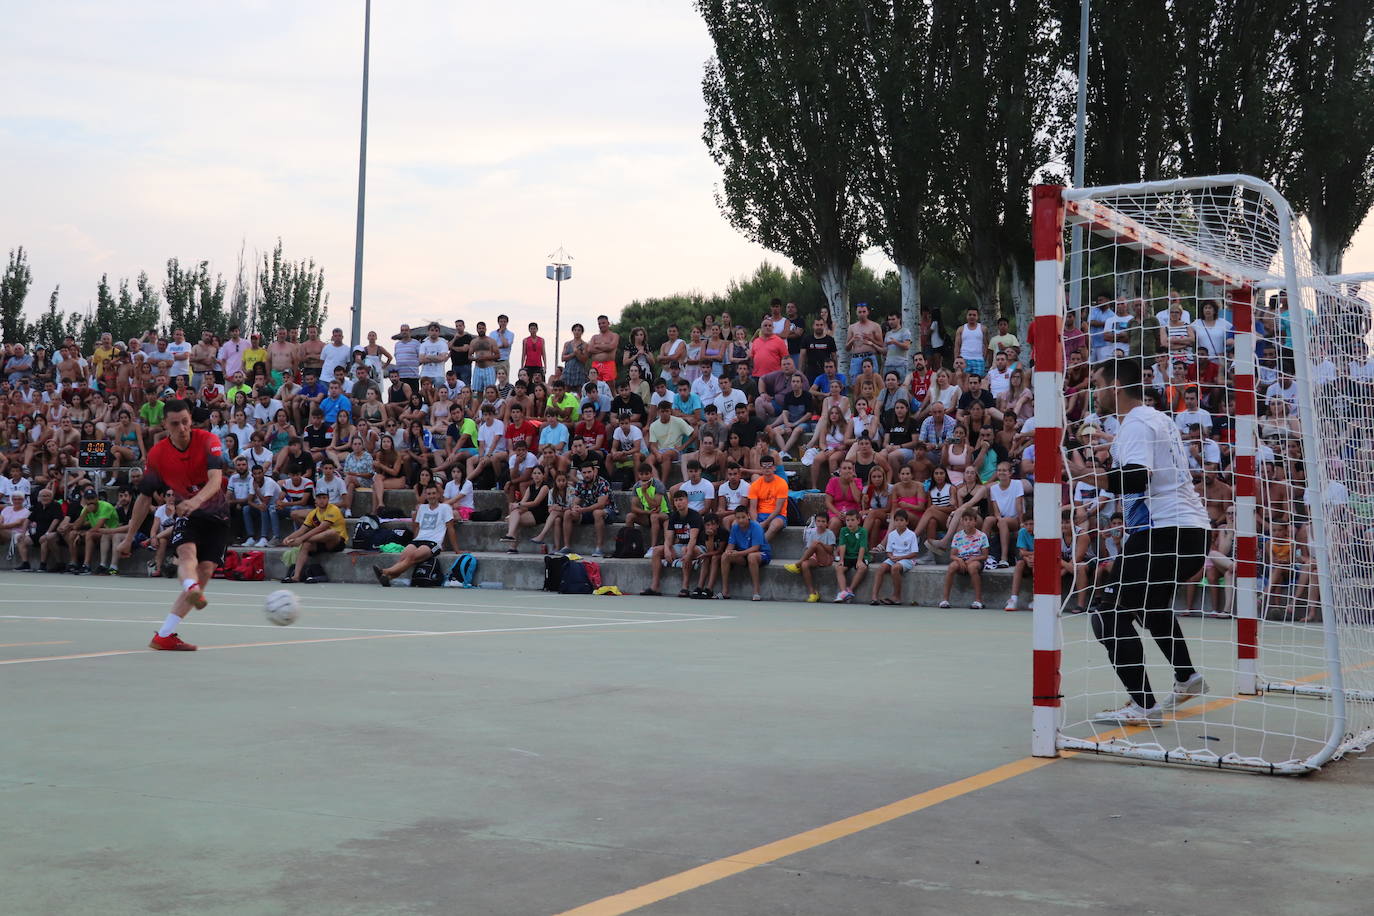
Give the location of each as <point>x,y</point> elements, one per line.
<point>485,353</point>
<point>460,353</point>
<point>816,347</point>
<point>505,342</point>
<point>767,351</point>
<point>1004,339</point>
<point>575,360</point>
<point>901,547</point>
<point>335,353</point>
<point>603,349</point>
<point>407,364</point>
<point>434,353</point>
<point>898,341</point>
<point>971,343</point>
<point>865,340</point>
<point>534,353</point>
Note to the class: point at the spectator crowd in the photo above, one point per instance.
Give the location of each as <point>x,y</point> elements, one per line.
<point>921,445</point>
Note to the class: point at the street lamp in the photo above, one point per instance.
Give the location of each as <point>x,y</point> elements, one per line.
<point>558,271</point>
<point>362,186</point>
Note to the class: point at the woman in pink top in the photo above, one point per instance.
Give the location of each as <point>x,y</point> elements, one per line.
<point>842,493</point>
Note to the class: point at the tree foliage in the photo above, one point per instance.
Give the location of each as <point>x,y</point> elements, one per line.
<point>290,294</point>
<point>54,325</point>
<point>195,302</point>
<point>1330,54</point>
<point>14,289</point>
<point>784,123</point>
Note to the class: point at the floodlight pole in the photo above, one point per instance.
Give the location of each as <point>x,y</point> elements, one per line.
<point>362,186</point>
<point>558,271</point>
<point>1080,130</point>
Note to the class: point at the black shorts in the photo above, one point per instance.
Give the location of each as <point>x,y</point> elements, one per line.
<point>434,549</point>
<point>540,513</point>
<point>209,535</point>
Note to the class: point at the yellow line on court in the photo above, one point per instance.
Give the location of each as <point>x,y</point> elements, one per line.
<point>692,878</point>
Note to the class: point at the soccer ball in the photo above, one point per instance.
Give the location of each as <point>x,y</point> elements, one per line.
<point>282,607</point>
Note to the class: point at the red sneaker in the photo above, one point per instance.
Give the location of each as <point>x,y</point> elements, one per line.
<point>196,597</point>
<point>173,643</point>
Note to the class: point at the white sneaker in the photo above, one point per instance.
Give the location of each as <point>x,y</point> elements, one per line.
<point>944,604</point>
<point>989,564</point>
<point>1130,714</point>
<point>1190,689</point>
<point>977,605</point>
<point>262,542</point>
<point>1013,604</point>
<point>648,553</point>
<point>839,599</point>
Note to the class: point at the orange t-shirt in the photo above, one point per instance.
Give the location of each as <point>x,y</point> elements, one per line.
<point>766,353</point>
<point>772,495</point>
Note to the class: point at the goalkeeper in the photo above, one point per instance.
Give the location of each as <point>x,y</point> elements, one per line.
<point>1166,543</point>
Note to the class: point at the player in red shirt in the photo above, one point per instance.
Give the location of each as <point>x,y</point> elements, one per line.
<point>190,462</point>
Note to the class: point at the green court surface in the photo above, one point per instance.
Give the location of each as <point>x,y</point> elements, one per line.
<point>506,752</point>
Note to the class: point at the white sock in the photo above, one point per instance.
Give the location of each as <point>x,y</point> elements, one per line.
<point>169,626</point>
<point>189,583</point>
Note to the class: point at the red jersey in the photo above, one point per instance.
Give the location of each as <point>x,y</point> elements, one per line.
<point>527,431</point>
<point>920,386</point>
<point>185,472</point>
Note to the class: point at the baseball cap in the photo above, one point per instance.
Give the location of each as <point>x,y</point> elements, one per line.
<point>90,493</point>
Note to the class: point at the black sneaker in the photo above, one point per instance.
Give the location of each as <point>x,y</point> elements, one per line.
<point>83,570</point>
<point>23,567</point>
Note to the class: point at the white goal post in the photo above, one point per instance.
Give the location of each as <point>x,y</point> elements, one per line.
<point>1268,369</point>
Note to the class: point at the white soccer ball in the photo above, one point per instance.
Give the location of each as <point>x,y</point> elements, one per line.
<point>282,607</point>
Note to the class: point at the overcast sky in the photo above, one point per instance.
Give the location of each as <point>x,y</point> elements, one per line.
<point>135,131</point>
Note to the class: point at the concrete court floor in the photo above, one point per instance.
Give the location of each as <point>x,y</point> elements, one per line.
<point>562,750</point>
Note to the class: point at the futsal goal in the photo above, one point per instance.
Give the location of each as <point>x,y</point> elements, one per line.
<point>1265,366</point>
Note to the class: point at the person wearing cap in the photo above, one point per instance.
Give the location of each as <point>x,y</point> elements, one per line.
<point>95,514</point>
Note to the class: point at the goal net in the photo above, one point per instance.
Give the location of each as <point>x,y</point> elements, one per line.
<point>1265,368</point>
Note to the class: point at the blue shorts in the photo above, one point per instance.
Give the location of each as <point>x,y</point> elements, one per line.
<point>765,519</point>
<point>482,377</point>
<point>976,365</point>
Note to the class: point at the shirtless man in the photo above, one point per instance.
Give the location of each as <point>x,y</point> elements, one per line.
<point>604,348</point>
<point>308,356</point>
<point>865,340</point>
<point>72,370</point>
<point>203,356</point>
<point>282,358</point>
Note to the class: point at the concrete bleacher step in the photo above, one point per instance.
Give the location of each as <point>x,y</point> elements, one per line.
<point>403,502</point>
<point>525,571</point>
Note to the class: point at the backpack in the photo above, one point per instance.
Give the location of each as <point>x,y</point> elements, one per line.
<point>629,543</point>
<point>575,579</point>
<point>427,574</point>
<point>554,564</point>
<point>313,574</point>
<point>593,573</point>
<point>251,567</point>
<point>227,568</point>
<point>464,570</point>
<point>365,533</point>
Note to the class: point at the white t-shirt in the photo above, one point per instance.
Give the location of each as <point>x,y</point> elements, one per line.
<point>269,490</point>
<point>335,488</point>
<point>999,382</point>
<point>263,413</point>
<point>487,435</point>
<point>333,356</point>
<point>437,369</point>
<point>1150,439</point>
<point>240,485</point>
<point>901,543</point>
<point>9,515</point>
<point>9,487</point>
<point>1212,340</point>
<point>181,365</point>
<point>698,493</point>
<point>1006,497</point>
<point>734,496</point>
<point>1163,317</point>
<point>517,466</point>
<point>626,438</point>
<point>463,494</point>
<point>1289,393</point>
<point>432,522</point>
<point>1185,418</point>
<point>1211,454</point>
<point>163,515</point>
<point>726,402</point>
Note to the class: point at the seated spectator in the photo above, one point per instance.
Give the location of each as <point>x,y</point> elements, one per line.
<point>680,547</point>
<point>530,506</point>
<point>1006,499</point>
<point>968,554</point>
<point>768,496</point>
<point>14,528</point>
<point>1025,562</point>
<point>297,499</point>
<point>433,524</point>
<point>668,438</point>
<point>357,472</point>
<point>323,530</point>
<point>559,501</point>
<point>748,545</point>
<point>591,505</point>
<point>818,552</point>
<point>713,543</point>
<point>900,548</point>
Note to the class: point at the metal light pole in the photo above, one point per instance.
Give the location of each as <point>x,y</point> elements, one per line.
<point>362,187</point>
<point>1080,129</point>
<point>558,271</point>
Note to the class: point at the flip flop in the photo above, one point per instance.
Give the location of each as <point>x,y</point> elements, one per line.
<point>889,602</point>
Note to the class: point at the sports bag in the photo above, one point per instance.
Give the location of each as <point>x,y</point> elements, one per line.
<point>629,543</point>
<point>464,570</point>
<point>365,532</point>
<point>251,567</point>
<point>554,564</point>
<point>427,574</point>
<point>575,579</point>
<point>230,565</point>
